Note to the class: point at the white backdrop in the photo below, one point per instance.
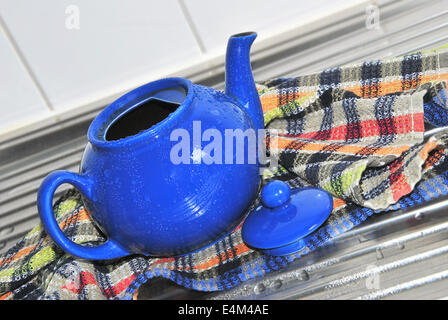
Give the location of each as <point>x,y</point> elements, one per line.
<point>56,55</point>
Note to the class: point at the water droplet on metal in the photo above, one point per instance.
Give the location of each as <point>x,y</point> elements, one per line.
<point>418,216</point>
<point>362,239</point>
<point>304,276</point>
<point>259,288</point>
<point>6,230</point>
<point>276,284</point>
<point>379,254</point>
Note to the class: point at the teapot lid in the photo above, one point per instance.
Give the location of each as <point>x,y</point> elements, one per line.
<point>286,216</point>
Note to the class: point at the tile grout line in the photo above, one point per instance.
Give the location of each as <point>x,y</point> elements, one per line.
<point>192,26</point>
<point>25,64</point>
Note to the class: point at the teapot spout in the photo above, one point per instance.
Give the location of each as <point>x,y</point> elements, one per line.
<point>239,79</point>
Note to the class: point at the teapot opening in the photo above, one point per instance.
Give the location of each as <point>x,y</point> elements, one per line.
<point>140,118</point>
<point>243,34</point>
<point>142,114</point>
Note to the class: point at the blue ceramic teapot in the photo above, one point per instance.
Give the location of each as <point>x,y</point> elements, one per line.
<point>142,200</point>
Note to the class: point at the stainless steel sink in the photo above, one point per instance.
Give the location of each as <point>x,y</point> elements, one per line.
<point>404,254</point>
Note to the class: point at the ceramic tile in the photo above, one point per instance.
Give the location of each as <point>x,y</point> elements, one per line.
<point>19,99</point>
<point>216,21</point>
<point>83,50</point>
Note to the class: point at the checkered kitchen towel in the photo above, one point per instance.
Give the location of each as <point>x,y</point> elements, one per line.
<point>356,131</point>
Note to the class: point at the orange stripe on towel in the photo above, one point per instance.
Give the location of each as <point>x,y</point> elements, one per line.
<point>270,101</point>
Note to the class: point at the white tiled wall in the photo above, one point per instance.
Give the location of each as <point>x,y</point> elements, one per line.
<point>19,98</point>
<point>216,20</point>
<point>115,42</point>
<point>56,55</point>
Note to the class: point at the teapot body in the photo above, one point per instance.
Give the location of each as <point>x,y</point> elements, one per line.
<point>150,205</point>
<point>145,202</point>
<point>169,167</point>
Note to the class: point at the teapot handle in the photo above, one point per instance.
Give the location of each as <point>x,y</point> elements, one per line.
<point>107,250</point>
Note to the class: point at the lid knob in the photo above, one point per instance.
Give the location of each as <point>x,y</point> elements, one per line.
<point>279,226</point>
<point>275,194</point>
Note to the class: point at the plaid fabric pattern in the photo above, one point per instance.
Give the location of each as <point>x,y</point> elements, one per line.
<point>368,151</point>
<point>356,131</point>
